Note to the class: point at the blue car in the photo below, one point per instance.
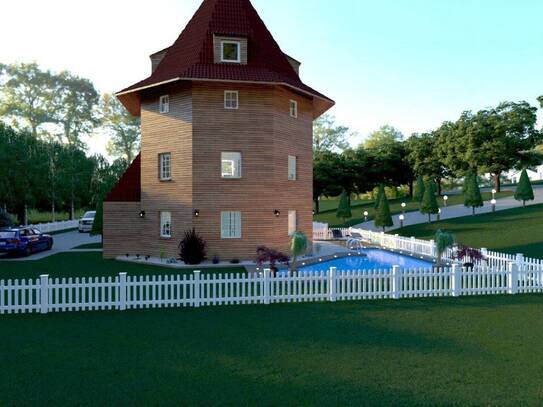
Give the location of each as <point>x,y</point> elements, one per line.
<point>23,241</point>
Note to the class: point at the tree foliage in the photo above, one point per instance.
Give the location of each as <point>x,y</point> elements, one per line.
<point>524,191</point>
<point>443,240</point>
<point>382,216</point>
<point>298,246</point>
<point>344,207</point>
<point>472,193</point>
<point>329,137</point>
<point>429,203</point>
<point>418,194</point>
<point>123,129</point>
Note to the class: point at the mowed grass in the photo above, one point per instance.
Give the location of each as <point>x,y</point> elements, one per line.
<point>518,230</point>
<point>329,207</point>
<point>81,264</point>
<point>465,351</point>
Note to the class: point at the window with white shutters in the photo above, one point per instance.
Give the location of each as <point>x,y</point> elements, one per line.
<point>231,225</point>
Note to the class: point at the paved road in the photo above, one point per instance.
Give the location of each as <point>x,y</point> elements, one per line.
<point>62,242</point>
<point>457,211</point>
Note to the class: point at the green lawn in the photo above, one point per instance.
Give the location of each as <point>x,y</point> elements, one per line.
<point>466,351</point>
<point>86,265</point>
<point>328,208</point>
<point>518,230</point>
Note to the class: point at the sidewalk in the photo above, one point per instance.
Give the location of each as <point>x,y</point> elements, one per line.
<point>457,211</point>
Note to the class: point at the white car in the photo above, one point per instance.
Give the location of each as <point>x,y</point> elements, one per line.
<point>86,221</point>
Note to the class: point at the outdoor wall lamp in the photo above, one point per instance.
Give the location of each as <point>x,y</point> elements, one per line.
<point>142,214</point>
<point>196,213</point>
<point>277,213</point>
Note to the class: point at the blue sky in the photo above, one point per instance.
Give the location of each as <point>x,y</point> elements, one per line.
<point>412,64</point>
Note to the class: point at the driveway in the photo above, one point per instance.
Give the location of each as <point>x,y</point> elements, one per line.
<point>458,211</point>
<point>62,242</point>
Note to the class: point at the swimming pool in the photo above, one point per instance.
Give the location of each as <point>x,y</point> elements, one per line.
<point>374,259</point>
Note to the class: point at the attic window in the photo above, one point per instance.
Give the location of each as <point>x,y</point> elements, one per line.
<point>231,51</point>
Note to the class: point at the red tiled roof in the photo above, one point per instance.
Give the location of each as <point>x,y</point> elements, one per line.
<point>128,189</point>
<point>192,54</point>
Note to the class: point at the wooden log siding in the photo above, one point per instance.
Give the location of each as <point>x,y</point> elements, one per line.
<point>195,131</point>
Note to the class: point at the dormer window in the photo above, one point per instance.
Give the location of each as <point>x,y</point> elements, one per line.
<point>231,52</point>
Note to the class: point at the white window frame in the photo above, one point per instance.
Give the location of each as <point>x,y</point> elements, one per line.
<point>231,225</point>
<point>161,166</point>
<point>293,108</point>
<point>166,225</point>
<point>164,104</point>
<point>292,168</point>
<point>232,61</point>
<point>234,163</point>
<point>292,222</point>
<point>231,96</point>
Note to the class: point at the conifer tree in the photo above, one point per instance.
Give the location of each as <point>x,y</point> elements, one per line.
<point>429,203</point>
<point>344,207</point>
<point>380,193</point>
<point>382,217</point>
<point>418,194</point>
<point>524,190</point>
<point>472,193</point>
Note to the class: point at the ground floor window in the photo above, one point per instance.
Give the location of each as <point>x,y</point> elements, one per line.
<point>231,225</point>
<point>292,222</point>
<point>165,224</point>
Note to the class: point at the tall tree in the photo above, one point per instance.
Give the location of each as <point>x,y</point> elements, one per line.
<point>344,208</point>
<point>327,136</point>
<point>123,128</point>
<point>524,191</point>
<point>26,94</point>
<point>326,170</point>
<point>429,203</point>
<point>385,136</point>
<point>472,193</point>
<point>383,218</point>
<point>419,189</point>
<point>423,157</point>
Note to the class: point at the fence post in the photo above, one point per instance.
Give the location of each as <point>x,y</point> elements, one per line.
<point>196,299</point>
<point>396,241</point>
<point>520,261</point>
<point>456,280</point>
<point>396,287</point>
<point>44,293</point>
<point>122,291</point>
<point>412,245</point>
<point>433,250</point>
<point>266,286</point>
<point>332,284</point>
<point>513,278</point>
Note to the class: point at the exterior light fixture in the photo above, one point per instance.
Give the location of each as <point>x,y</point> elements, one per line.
<point>493,202</point>
<point>494,193</point>
<point>403,207</point>
<point>196,213</point>
<point>402,218</point>
<point>142,214</point>
<point>445,199</point>
<point>313,212</point>
<point>277,213</point>
<point>439,214</point>
<point>366,216</point>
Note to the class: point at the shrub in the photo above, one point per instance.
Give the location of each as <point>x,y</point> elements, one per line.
<point>464,252</point>
<point>234,261</point>
<point>193,248</point>
<point>524,191</point>
<point>216,259</point>
<point>266,255</point>
<point>443,240</point>
<point>382,217</point>
<point>6,220</point>
<point>429,203</point>
<point>298,246</point>
<point>344,207</point>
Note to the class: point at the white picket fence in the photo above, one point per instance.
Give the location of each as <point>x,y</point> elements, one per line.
<point>55,226</point>
<point>124,292</point>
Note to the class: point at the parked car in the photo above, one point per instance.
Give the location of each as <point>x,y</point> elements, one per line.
<point>86,221</point>
<point>24,241</point>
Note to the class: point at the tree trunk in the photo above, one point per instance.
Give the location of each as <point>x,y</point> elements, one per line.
<point>429,218</point>
<point>411,189</point>
<point>497,182</point>
<point>53,211</point>
<point>524,204</point>
<point>317,208</point>
<point>72,209</point>
<point>438,182</point>
<point>473,210</point>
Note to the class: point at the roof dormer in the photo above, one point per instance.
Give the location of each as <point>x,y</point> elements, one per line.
<point>230,50</point>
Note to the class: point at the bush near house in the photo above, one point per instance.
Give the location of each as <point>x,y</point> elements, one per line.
<point>193,248</point>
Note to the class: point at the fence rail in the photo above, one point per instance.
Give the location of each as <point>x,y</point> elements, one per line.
<point>124,292</point>
<point>55,226</point>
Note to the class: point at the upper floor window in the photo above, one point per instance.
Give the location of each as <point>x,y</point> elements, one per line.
<point>231,165</point>
<point>231,51</point>
<point>166,224</point>
<point>293,109</point>
<point>292,168</point>
<point>164,104</point>
<point>230,225</point>
<point>231,99</point>
<point>165,166</point>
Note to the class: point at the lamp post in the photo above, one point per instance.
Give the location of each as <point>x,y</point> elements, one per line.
<point>493,202</point>
<point>403,207</point>
<point>402,218</point>
<point>366,216</point>
<point>439,214</point>
<point>494,194</point>
<point>445,199</point>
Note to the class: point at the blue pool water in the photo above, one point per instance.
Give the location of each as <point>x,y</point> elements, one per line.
<point>374,259</point>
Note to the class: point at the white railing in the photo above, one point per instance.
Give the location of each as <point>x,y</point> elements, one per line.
<point>55,226</point>
<point>124,292</point>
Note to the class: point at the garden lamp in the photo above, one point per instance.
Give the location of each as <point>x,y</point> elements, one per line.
<point>493,202</point>
<point>445,199</point>
<point>366,216</point>
<point>402,218</point>
<point>403,207</point>
<point>439,214</point>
